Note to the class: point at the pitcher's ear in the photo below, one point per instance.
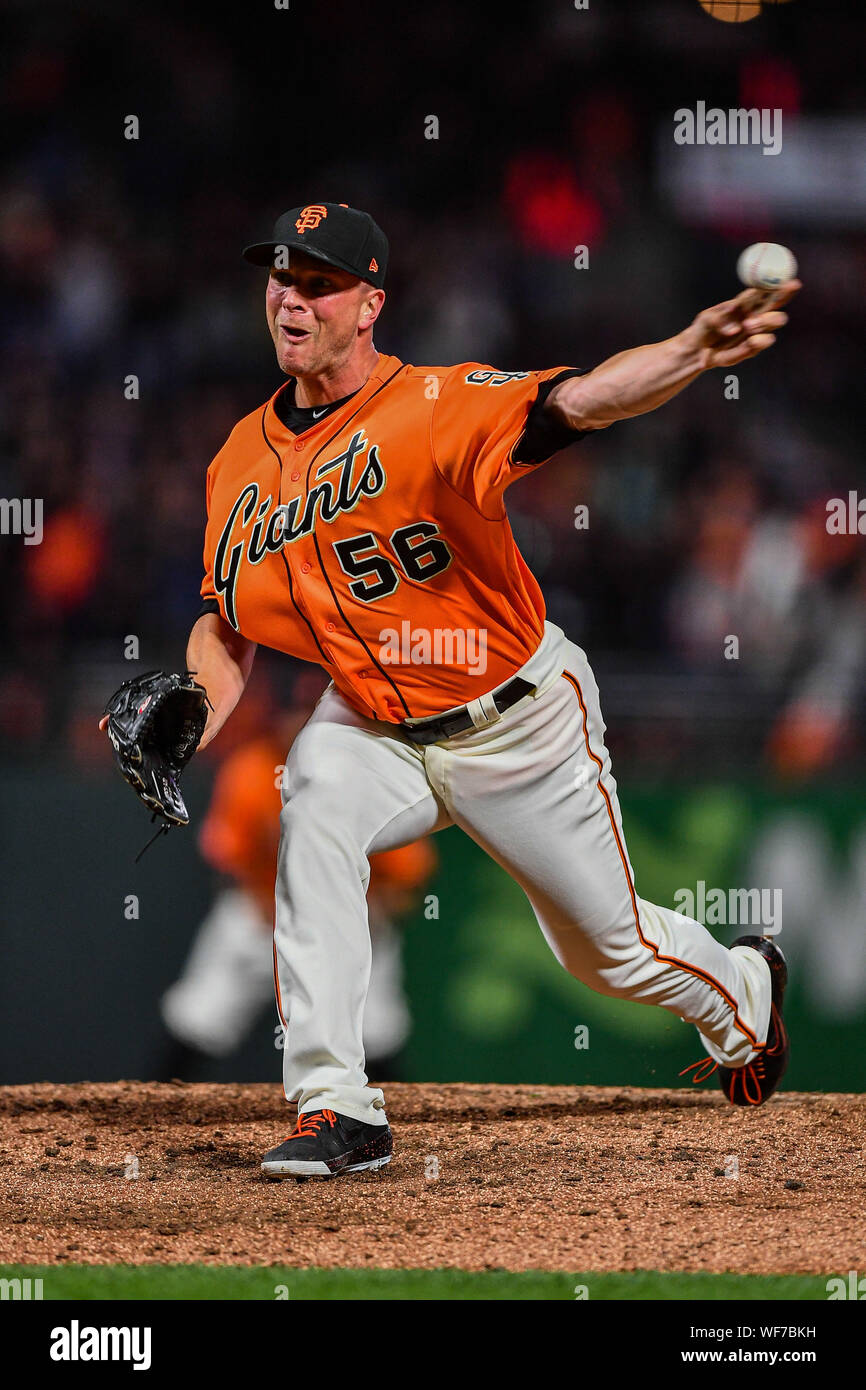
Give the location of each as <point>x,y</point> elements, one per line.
<point>373,300</point>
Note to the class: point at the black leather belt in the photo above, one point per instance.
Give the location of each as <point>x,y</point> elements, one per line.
<point>459,720</point>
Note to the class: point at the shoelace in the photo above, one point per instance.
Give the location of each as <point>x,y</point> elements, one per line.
<point>311,1122</point>
<point>698,1068</point>
<point>754,1073</point>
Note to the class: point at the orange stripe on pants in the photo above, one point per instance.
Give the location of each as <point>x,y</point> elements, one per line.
<point>665,960</point>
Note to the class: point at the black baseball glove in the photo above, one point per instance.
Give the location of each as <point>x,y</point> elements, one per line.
<point>155,722</point>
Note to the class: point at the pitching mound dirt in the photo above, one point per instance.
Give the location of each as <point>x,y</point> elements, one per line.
<point>513,1177</point>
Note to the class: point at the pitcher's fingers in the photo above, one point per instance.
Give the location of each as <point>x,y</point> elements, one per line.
<point>774,299</point>
<point>750,299</point>
<point>786,292</point>
<point>757,342</point>
<point>760,323</point>
<point>741,352</point>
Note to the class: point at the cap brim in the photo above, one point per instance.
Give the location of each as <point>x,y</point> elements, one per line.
<point>262,253</point>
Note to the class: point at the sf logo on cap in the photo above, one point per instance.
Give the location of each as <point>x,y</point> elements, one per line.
<point>311,217</point>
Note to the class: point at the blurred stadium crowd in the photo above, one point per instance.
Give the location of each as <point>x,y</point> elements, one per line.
<point>120,258</point>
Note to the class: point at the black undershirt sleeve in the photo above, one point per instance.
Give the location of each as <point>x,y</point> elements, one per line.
<point>543,434</point>
<point>210,605</point>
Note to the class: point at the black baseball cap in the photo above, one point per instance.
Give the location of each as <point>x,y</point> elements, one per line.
<point>332,232</point>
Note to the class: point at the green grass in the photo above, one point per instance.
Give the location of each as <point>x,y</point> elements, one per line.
<point>207,1282</point>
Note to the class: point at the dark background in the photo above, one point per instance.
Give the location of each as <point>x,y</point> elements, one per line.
<point>121,257</point>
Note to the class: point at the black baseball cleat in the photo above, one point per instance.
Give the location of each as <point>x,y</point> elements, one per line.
<point>323,1144</point>
<point>757,1080</point>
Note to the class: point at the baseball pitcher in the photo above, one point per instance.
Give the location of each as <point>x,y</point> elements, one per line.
<point>357,520</point>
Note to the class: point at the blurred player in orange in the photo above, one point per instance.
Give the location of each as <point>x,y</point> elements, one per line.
<point>228,977</point>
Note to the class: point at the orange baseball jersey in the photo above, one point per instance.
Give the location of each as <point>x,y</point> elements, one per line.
<point>376,542</point>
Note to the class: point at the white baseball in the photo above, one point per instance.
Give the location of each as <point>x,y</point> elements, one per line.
<point>766,265</point>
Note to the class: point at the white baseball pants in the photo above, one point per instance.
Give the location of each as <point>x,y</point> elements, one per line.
<point>534,789</point>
